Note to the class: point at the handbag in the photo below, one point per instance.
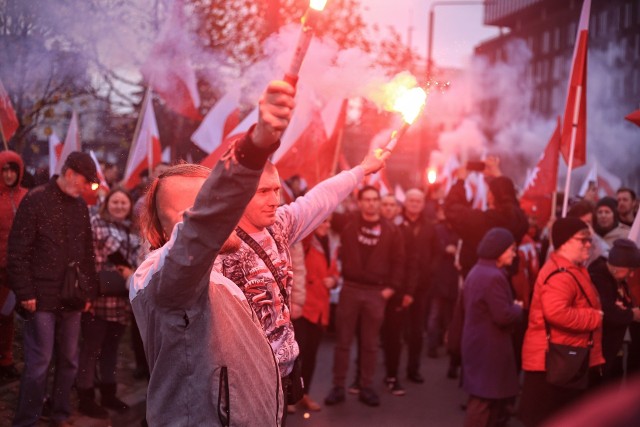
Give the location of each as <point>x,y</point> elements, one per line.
<point>72,296</point>
<point>567,366</point>
<point>112,284</point>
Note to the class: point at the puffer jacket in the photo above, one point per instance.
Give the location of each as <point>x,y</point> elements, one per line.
<point>316,306</point>
<point>570,316</point>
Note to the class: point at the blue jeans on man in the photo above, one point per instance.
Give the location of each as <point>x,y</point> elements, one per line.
<point>43,332</point>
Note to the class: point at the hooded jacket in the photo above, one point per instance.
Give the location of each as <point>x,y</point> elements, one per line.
<point>10,198</point>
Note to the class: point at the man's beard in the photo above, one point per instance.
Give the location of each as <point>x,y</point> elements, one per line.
<point>232,244</point>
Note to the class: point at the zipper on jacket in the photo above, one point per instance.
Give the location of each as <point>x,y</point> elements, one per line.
<point>224,411</point>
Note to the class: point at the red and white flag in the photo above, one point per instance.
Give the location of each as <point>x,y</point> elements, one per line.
<point>145,151</point>
<point>168,68</point>
<point>575,113</point>
<point>606,182</point>
<point>542,183</point>
<point>217,123</point>
<point>103,181</point>
<point>244,126</point>
<point>313,156</point>
<point>55,149</point>
<point>8,119</point>
<point>71,142</point>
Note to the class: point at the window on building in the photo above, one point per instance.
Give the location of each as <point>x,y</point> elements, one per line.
<point>637,46</point>
<point>628,14</point>
<point>602,22</point>
<point>556,38</point>
<point>615,19</point>
<point>545,42</point>
<point>571,34</point>
<point>636,82</point>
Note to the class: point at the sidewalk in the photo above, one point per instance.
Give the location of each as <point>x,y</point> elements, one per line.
<point>131,391</point>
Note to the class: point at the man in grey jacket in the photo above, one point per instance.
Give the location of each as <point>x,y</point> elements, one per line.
<point>209,360</point>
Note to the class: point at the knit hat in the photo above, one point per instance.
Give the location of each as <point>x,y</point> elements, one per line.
<point>494,243</point>
<point>609,202</point>
<point>503,190</point>
<point>564,229</point>
<point>624,253</point>
<point>83,164</point>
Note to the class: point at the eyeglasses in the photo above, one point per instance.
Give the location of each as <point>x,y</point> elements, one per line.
<point>584,240</point>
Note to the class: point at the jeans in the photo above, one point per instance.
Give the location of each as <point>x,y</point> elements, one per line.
<point>43,331</point>
<point>100,343</point>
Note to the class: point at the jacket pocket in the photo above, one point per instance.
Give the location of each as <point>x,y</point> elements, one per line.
<point>224,411</point>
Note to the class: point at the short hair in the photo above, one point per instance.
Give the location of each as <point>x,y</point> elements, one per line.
<point>104,207</point>
<point>628,190</point>
<point>416,192</point>
<point>580,209</point>
<point>367,188</point>
<point>150,221</point>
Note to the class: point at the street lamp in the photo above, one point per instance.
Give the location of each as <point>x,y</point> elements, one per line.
<point>432,23</point>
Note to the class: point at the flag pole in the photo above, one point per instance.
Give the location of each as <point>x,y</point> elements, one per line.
<point>4,141</point>
<point>136,132</point>
<point>572,147</point>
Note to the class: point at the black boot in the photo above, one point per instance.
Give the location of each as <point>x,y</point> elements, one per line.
<point>109,400</point>
<point>88,405</point>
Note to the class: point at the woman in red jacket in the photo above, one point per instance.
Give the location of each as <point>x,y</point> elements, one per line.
<point>321,261</point>
<point>569,303</point>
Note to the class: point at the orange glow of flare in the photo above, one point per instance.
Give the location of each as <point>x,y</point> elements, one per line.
<point>317,4</point>
<point>409,103</point>
<point>94,186</point>
<point>432,175</point>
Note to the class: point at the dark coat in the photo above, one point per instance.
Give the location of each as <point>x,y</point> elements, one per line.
<point>419,246</point>
<point>488,357</point>
<point>50,230</point>
<point>616,319</point>
<point>472,224</point>
<point>385,266</point>
<point>444,274</point>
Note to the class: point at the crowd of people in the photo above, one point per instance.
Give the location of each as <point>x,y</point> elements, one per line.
<point>208,266</point>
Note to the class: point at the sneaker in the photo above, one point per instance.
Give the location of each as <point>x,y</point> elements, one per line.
<point>291,409</point>
<point>9,373</point>
<point>354,388</point>
<point>369,397</point>
<point>415,377</point>
<point>335,396</point>
<point>394,387</point>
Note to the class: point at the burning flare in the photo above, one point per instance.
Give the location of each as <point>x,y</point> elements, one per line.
<point>432,175</point>
<point>317,4</point>
<point>409,103</point>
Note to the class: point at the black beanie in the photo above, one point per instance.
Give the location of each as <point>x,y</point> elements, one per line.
<point>494,243</point>
<point>564,229</point>
<point>609,202</point>
<point>624,253</point>
<point>503,190</point>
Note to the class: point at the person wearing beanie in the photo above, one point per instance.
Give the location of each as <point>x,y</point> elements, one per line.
<point>488,357</point>
<point>11,194</point>
<point>610,277</point>
<point>607,222</point>
<point>565,298</point>
<point>50,233</point>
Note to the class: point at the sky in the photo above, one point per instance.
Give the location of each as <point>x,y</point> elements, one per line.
<point>457,28</point>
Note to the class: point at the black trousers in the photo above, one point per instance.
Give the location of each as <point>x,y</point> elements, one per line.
<point>308,336</point>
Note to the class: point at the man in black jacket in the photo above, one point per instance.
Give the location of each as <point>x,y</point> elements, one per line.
<point>372,266</point>
<point>51,231</point>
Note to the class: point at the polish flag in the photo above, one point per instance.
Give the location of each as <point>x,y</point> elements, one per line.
<point>313,156</point>
<point>8,119</point>
<point>168,68</point>
<point>55,150</point>
<point>217,123</point>
<point>542,183</point>
<point>71,142</point>
<point>145,152</point>
<point>606,182</point>
<point>575,113</point>
<point>243,127</point>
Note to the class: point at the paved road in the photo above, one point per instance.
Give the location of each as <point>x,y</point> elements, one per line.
<point>435,403</point>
